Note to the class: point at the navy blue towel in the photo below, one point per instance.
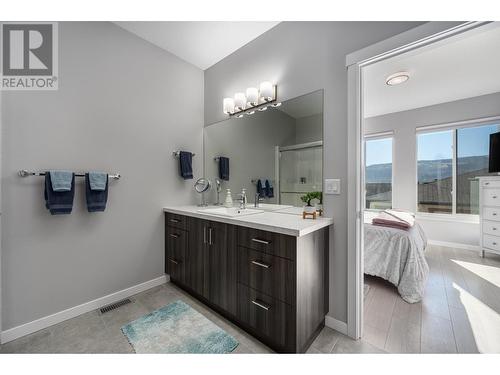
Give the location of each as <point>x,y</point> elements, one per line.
<point>260,189</point>
<point>186,164</point>
<point>269,189</point>
<point>224,168</point>
<point>96,197</point>
<point>58,202</point>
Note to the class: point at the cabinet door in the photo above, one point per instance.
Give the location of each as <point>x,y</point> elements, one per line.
<point>220,281</point>
<point>198,237</point>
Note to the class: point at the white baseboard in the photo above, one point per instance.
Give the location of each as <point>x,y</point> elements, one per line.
<point>335,324</point>
<point>47,321</point>
<point>455,245</point>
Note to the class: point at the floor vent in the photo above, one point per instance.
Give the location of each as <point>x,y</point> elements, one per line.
<point>115,305</point>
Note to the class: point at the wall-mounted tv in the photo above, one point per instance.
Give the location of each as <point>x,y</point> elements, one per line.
<point>494,160</point>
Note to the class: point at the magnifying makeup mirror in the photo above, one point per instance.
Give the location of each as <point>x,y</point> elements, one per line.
<point>201,186</point>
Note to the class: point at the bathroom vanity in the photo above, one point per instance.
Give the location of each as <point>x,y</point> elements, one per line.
<point>266,272</point>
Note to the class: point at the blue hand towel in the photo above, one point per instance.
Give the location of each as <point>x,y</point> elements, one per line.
<point>96,199</point>
<point>260,189</point>
<point>98,180</point>
<point>58,202</point>
<point>186,167</point>
<point>269,189</point>
<point>61,180</point>
<point>224,168</point>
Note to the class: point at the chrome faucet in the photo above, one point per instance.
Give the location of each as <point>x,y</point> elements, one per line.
<point>243,199</point>
<point>258,199</point>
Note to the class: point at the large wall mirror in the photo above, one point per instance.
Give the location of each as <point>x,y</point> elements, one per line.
<point>278,152</point>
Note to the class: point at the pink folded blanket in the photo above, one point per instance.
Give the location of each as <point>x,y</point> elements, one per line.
<point>395,219</point>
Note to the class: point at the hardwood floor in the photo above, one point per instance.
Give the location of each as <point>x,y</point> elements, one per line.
<point>460,311</point>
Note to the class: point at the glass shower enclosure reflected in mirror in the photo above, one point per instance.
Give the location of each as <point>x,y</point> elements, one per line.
<point>300,171</point>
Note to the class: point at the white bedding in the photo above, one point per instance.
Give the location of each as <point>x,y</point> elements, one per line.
<point>397,256</point>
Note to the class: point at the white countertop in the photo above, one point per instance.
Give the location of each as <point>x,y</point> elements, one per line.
<point>284,223</point>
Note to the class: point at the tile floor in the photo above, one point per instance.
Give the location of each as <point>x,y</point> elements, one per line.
<point>459,313</point>
<point>96,333</point>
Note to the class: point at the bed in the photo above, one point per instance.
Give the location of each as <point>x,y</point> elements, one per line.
<point>397,256</point>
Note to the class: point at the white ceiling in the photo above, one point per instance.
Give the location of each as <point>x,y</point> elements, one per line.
<point>200,43</point>
<point>454,69</point>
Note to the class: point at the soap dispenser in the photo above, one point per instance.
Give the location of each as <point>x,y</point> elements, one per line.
<point>229,199</point>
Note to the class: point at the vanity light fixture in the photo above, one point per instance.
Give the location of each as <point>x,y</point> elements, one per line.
<point>252,100</point>
<point>266,91</point>
<point>228,106</point>
<point>397,78</point>
<point>252,96</point>
<point>240,101</point>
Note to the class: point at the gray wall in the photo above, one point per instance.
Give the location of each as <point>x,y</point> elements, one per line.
<point>123,105</point>
<point>404,125</point>
<point>309,129</point>
<point>302,57</point>
<point>249,143</point>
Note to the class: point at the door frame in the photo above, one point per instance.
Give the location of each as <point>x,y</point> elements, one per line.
<point>420,36</point>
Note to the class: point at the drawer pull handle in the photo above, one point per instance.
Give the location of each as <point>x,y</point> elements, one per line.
<point>261,305</point>
<point>494,243</point>
<point>494,214</point>
<point>486,183</point>
<point>175,221</point>
<point>257,263</point>
<point>494,196</point>
<point>261,241</point>
<point>494,228</point>
<point>173,261</point>
<point>174,235</point>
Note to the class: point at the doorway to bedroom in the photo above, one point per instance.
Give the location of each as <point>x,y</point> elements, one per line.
<point>429,225</point>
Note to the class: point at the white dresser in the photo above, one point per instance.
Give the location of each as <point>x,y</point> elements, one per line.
<point>489,211</point>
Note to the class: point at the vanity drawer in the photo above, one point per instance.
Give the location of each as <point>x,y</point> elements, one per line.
<point>491,242</point>
<point>491,227</point>
<point>491,213</point>
<point>491,184</point>
<point>176,243</point>
<point>491,197</point>
<point>268,274</point>
<point>271,319</point>
<point>268,242</point>
<point>176,221</point>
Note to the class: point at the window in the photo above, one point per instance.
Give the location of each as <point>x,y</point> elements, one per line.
<point>378,173</point>
<point>435,185</point>
<point>448,164</point>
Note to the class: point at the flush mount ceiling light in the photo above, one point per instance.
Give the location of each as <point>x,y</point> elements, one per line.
<point>397,78</point>
<point>251,100</point>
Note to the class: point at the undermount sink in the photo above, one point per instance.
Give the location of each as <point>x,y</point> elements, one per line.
<point>270,206</point>
<point>230,212</point>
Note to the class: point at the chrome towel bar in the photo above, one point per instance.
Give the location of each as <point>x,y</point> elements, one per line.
<point>26,173</point>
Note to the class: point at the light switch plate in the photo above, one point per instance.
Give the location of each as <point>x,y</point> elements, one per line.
<point>332,186</point>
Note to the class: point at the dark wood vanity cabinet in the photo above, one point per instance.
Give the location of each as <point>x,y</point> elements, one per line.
<point>274,286</point>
